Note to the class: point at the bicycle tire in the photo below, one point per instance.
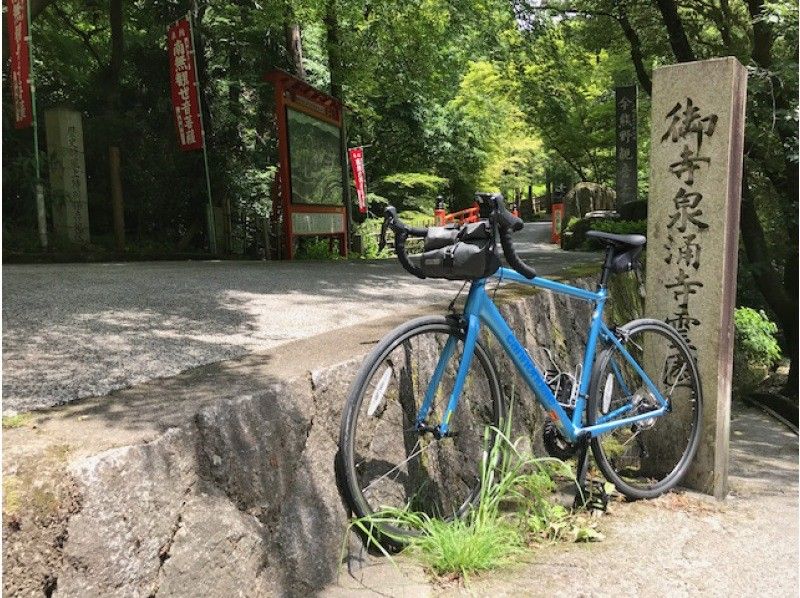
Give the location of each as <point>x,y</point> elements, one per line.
<point>655,474</point>
<point>452,461</point>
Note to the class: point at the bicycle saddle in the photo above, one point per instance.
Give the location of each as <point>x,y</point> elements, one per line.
<point>618,240</point>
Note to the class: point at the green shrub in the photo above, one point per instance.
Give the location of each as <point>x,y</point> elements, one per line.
<point>755,351</point>
<point>579,228</point>
<point>375,203</point>
<point>317,248</point>
<point>622,227</point>
<point>368,230</point>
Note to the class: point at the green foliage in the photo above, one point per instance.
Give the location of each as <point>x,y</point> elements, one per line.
<point>412,190</point>
<point>314,248</point>
<point>578,227</point>
<point>755,337</point>
<point>621,227</point>
<point>18,420</point>
<point>369,231</point>
<point>756,349</point>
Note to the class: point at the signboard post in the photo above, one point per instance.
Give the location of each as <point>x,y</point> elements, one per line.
<point>693,233</point>
<point>186,103</point>
<point>627,154</point>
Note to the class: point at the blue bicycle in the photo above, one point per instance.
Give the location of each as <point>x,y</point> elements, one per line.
<point>412,431</point>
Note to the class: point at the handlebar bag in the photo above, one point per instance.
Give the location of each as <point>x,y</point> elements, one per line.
<point>440,236</point>
<point>470,255</point>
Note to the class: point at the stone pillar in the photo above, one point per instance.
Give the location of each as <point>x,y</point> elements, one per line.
<point>693,233</point>
<point>64,130</point>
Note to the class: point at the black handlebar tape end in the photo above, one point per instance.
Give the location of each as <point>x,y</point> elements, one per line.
<point>512,258</point>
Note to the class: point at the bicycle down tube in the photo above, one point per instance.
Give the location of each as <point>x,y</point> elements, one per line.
<point>479,309</point>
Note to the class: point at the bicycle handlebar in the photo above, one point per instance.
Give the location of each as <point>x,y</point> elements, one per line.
<point>499,215</point>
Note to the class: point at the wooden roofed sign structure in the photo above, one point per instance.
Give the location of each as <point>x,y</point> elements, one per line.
<point>311,174</point>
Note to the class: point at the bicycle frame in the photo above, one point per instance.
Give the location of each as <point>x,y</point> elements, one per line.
<point>480,310</point>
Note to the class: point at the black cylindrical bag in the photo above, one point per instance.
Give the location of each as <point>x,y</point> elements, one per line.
<point>468,255</point>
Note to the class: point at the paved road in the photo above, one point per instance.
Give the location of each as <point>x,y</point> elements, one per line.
<point>679,545</point>
<point>78,330</point>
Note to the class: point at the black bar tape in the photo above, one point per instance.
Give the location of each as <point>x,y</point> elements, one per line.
<point>400,249</point>
<point>511,255</point>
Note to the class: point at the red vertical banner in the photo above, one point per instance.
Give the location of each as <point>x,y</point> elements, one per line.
<point>20,63</point>
<point>183,80</point>
<point>359,178</point>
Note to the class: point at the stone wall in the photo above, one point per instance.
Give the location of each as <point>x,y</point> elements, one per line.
<point>242,499</point>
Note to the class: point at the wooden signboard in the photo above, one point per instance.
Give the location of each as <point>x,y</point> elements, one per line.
<point>311,178</point>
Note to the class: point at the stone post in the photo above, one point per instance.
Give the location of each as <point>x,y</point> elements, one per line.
<point>64,130</point>
<point>693,233</point>
<point>627,149</point>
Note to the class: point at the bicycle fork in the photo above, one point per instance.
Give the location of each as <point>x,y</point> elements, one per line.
<point>443,429</point>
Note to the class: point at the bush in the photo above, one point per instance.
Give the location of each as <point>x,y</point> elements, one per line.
<point>317,248</point>
<point>755,351</point>
<point>369,239</point>
<point>579,228</point>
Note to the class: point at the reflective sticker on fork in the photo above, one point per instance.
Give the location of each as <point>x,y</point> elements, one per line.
<point>379,393</point>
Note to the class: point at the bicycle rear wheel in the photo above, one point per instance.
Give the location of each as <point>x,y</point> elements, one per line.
<point>385,460</point>
<point>651,456</point>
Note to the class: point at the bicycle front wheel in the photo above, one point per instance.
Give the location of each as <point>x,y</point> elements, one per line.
<point>386,461</point>
<point>651,456</point>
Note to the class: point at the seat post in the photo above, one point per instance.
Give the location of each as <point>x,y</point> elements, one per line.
<point>606,270</point>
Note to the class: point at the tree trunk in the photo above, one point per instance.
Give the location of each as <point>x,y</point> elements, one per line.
<point>117,204</point>
<point>115,14</point>
<point>294,47</point>
<point>333,46</point>
<point>677,34</point>
<point>784,296</point>
<point>636,51</point>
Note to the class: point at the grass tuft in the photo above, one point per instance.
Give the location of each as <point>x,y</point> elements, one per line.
<point>515,510</point>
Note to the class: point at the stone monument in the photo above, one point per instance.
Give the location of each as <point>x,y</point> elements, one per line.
<point>587,197</point>
<point>64,130</point>
<point>693,233</point>
<point>627,148</point>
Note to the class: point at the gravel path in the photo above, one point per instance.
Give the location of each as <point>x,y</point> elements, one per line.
<point>77,330</point>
